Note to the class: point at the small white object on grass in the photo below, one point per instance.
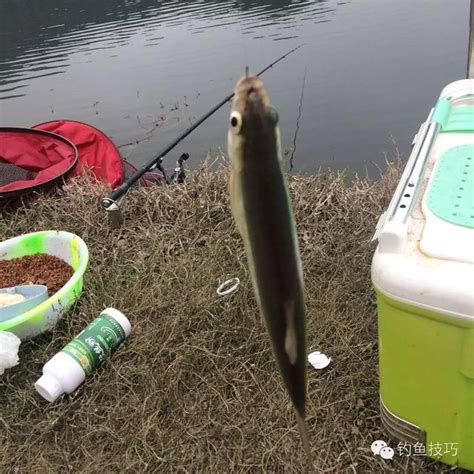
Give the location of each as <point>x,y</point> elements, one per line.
<point>228,287</point>
<point>9,344</point>
<point>318,360</point>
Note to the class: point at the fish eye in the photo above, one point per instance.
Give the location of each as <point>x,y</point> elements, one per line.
<point>235,121</point>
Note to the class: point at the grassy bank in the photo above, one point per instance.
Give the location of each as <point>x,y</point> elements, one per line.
<point>195,388</point>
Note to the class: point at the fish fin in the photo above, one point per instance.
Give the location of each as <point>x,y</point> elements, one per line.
<point>304,436</point>
<point>291,341</point>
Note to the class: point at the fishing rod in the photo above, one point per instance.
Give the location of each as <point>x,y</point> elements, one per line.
<point>113,202</point>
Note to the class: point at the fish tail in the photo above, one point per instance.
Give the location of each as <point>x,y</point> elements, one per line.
<point>304,436</point>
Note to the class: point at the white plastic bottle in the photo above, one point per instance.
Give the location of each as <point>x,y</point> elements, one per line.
<point>65,371</point>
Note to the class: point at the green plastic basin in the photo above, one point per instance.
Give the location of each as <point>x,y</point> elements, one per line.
<point>70,248</point>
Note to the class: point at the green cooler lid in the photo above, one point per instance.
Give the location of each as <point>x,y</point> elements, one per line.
<point>425,256</point>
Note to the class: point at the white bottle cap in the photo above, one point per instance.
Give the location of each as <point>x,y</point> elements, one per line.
<point>120,318</point>
<point>49,387</point>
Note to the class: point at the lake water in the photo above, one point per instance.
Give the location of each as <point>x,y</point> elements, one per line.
<point>143,70</point>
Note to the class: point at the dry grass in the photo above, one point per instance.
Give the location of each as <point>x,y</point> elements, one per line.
<point>195,388</point>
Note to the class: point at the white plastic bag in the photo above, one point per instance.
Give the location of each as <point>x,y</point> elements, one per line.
<point>9,345</point>
<point>319,360</point>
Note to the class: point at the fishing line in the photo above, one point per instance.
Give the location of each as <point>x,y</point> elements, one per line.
<point>113,202</point>
<point>242,41</point>
<point>298,120</point>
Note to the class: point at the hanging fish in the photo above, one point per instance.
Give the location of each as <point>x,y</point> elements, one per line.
<point>262,210</point>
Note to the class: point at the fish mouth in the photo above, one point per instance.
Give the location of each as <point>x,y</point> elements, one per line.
<point>254,100</point>
<point>251,92</point>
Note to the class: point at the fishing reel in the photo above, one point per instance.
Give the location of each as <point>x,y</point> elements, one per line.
<point>178,175</point>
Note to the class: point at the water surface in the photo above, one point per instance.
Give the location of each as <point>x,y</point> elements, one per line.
<point>142,71</point>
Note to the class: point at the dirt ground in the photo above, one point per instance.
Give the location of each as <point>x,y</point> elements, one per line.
<point>195,388</point>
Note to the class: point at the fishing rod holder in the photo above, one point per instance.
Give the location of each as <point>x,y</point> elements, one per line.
<point>179,174</point>
<point>114,206</point>
<point>114,210</point>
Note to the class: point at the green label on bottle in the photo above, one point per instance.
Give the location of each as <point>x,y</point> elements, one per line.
<point>95,342</point>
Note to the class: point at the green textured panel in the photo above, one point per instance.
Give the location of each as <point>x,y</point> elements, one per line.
<point>441,112</point>
<point>451,193</point>
<point>453,119</point>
